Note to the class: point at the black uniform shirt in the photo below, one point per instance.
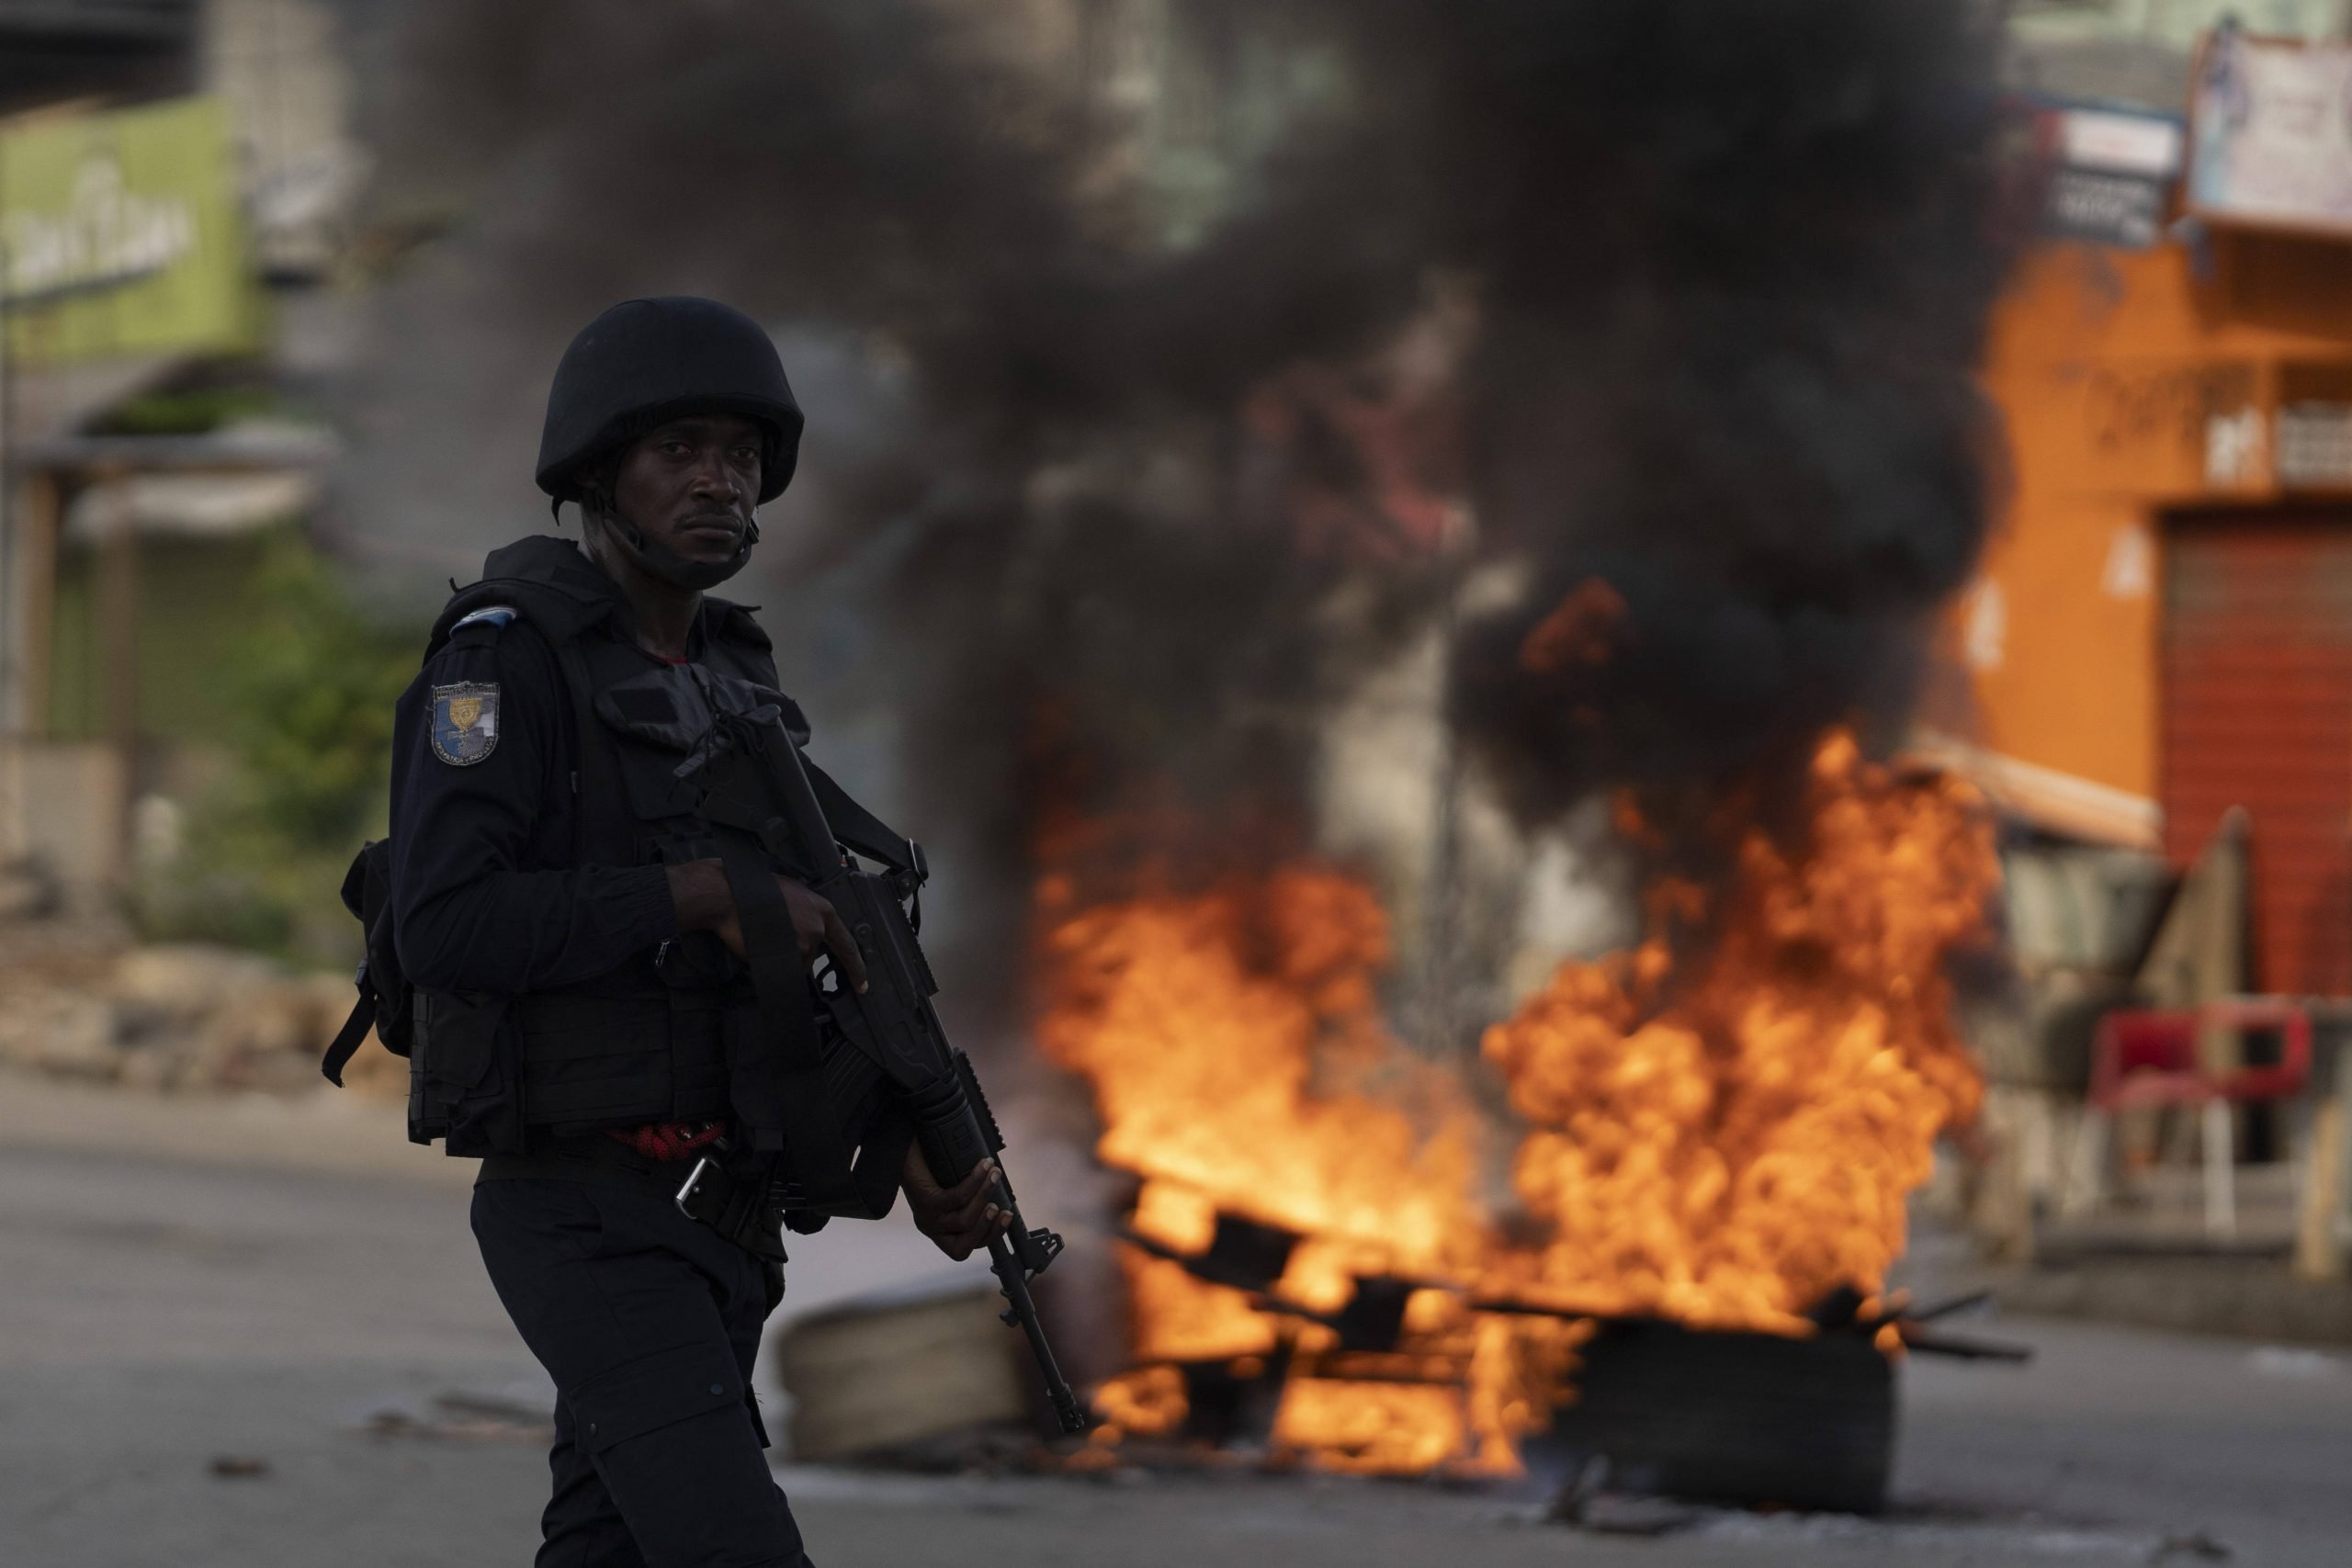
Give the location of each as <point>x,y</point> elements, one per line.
<point>486,896</point>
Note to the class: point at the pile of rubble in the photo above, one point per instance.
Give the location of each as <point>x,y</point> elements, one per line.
<point>78,999</point>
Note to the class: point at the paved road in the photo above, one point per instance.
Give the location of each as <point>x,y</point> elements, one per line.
<point>159,1314</point>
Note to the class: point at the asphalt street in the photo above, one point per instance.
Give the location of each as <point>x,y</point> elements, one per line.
<point>264,1340</point>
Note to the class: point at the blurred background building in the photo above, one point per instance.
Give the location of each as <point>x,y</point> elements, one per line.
<point>2153,640</point>
<point>2154,668</point>
<point>173,179</point>
<point>2156,637</point>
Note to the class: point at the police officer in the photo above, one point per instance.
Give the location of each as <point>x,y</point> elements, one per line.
<point>567,928</point>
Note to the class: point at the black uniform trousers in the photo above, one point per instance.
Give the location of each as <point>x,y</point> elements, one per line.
<point>648,1321</point>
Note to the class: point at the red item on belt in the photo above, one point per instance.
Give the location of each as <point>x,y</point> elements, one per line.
<point>663,1142</point>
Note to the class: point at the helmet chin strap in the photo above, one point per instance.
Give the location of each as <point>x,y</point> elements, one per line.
<point>693,576</point>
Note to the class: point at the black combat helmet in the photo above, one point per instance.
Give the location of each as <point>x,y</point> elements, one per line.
<point>645,361</point>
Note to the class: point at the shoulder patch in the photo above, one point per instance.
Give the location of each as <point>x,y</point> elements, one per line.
<point>489,615</point>
<point>465,722</point>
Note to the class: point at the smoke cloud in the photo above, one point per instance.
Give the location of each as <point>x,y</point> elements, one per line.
<point>1120,463</point>
<point>1741,257</point>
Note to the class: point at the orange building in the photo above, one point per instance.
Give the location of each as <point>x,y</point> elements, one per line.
<point>2163,626</point>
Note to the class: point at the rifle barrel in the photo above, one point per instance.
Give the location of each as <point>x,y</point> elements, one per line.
<point>1013,1280</point>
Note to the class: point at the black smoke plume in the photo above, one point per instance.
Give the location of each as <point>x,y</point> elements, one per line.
<point>1729,258</point>
<point>1739,257</point>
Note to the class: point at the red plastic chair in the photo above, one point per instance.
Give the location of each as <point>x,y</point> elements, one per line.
<point>2149,1057</point>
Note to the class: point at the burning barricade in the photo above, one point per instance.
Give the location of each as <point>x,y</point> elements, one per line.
<point>1323,1260</point>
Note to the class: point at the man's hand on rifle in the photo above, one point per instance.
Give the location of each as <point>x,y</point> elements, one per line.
<point>698,888</point>
<point>959,1218</point>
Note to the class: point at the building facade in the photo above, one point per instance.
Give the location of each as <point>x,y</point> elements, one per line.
<point>2162,627</point>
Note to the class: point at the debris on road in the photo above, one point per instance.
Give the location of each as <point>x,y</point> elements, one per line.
<point>461,1415</point>
<point>79,1001</point>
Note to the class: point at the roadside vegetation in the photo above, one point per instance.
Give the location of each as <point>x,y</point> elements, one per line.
<point>256,858</point>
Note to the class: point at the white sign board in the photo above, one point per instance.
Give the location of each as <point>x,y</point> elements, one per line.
<point>2271,133</point>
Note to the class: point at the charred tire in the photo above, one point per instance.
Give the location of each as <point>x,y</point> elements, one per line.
<point>1754,1420</point>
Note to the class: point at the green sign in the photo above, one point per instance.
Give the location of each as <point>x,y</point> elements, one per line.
<point>121,234</point>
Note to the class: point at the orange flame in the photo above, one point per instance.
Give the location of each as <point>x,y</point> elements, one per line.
<point>1234,1042</point>
<point>1238,1062</point>
<point>1583,630</point>
<point>1723,1143</point>
<point>1726,1146</point>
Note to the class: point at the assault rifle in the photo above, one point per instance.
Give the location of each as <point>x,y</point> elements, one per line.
<point>873,1064</point>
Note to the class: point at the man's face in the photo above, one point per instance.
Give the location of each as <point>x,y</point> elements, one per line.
<point>691,484</point>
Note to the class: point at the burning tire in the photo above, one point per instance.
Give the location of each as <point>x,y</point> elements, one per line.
<point>1755,1420</point>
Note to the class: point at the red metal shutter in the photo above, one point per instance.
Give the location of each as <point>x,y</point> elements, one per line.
<point>2257,712</point>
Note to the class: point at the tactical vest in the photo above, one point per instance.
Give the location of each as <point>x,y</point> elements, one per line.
<point>651,1040</point>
